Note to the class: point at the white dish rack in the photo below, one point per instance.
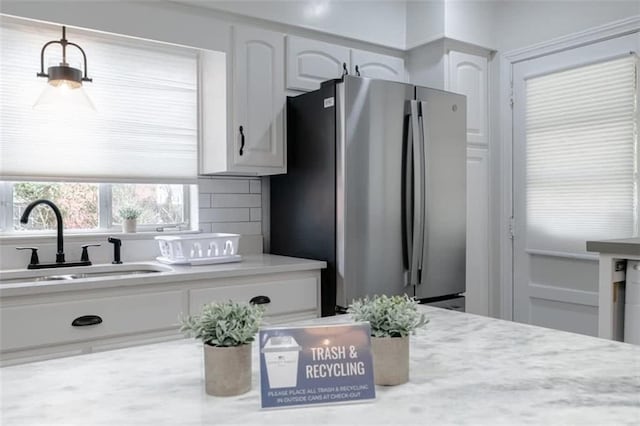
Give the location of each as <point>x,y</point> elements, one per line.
<point>199,249</point>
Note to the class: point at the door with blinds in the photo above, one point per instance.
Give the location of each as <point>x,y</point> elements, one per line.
<point>575,176</point>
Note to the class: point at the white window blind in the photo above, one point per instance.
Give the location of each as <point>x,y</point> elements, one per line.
<point>581,136</point>
<point>145,127</point>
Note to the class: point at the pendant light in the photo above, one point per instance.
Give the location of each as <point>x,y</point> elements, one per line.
<point>65,82</point>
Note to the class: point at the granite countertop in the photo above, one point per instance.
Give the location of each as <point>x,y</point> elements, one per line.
<point>250,265</point>
<point>630,246</point>
<point>465,369</point>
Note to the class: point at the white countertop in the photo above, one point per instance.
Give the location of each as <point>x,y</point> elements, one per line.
<point>630,246</point>
<point>250,265</point>
<point>465,369</point>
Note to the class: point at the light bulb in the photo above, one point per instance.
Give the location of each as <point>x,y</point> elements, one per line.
<point>64,95</point>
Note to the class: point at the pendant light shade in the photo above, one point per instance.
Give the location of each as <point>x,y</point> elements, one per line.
<point>65,82</point>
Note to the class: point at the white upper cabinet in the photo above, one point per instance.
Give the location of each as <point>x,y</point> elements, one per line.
<point>375,65</point>
<point>468,76</point>
<point>242,102</point>
<point>258,101</point>
<point>310,62</point>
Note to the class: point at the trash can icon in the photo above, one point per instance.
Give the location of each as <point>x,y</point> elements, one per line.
<point>281,354</point>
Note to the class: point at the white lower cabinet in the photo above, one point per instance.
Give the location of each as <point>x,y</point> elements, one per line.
<point>282,298</point>
<point>38,324</point>
<point>43,326</point>
<point>477,285</point>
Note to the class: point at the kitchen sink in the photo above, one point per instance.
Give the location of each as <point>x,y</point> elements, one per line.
<point>78,273</point>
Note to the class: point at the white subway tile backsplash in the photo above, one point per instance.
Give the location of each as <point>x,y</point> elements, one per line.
<point>236,200</point>
<point>204,227</point>
<point>225,215</point>
<point>231,205</point>
<point>244,228</point>
<point>256,214</point>
<point>204,200</point>
<point>255,186</point>
<point>223,186</point>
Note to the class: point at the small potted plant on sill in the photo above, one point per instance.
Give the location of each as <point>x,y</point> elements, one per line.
<point>392,319</point>
<point>129,216</point>
<point>227,330</point>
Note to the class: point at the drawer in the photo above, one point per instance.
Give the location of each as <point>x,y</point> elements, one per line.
<point>286,296</point>
<point>50,323</point>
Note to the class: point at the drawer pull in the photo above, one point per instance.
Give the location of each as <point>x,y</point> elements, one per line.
<point>260,300</point>
<point>86,320</point>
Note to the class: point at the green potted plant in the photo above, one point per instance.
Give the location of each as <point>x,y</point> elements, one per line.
<point>392,319</point>
<point>227,330</point>
<point>129,216</point>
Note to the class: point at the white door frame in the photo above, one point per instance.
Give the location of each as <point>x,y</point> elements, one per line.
<point>507,61</point>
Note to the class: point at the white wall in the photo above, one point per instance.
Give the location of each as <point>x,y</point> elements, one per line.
<point>425,22</point>
<point>523,23</point>
<point>379,22</point>
<point>507,25</point>
<point>471,21</point>
<point>179,25</point>
<point>425,64</point>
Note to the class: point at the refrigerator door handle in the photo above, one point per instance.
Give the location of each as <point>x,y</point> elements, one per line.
<point>407,206</point>
<point>418,200</point>
<point>425,190</point>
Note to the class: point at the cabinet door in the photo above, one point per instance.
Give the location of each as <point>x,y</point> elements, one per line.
<point>477,293</point>
<point>468,76</point>
<point>259,98</point>
<point>374,65</point>
<point>310,62</point>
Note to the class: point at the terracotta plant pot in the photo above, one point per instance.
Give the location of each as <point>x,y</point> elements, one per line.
<point>390,360</point>
<point>227,370</point>
<point>129,225</point>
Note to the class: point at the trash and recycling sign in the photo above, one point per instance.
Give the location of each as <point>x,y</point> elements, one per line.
<point>315,365</point>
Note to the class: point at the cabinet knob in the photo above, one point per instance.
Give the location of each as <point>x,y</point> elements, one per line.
<point>86,320</point>
<point>241,140</point>
<point>260,300</point>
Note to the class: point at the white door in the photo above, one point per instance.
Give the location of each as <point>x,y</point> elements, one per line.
<point>258,98</point>
<point>573,177</point>
<point>310,62</point>
<point>375,65</point>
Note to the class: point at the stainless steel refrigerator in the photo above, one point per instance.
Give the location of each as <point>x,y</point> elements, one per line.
<point>376,186</point>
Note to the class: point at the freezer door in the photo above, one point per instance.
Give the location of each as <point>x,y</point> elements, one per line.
<point>372,123</point>
<point>443,123</point>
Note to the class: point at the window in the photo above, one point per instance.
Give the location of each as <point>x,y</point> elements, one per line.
<point>94,207</point>
<point>160,204</point>
<point>142,138</point>
<point>582,154</point>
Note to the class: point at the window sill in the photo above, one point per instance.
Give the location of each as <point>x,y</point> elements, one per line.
<point>84,236</point>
